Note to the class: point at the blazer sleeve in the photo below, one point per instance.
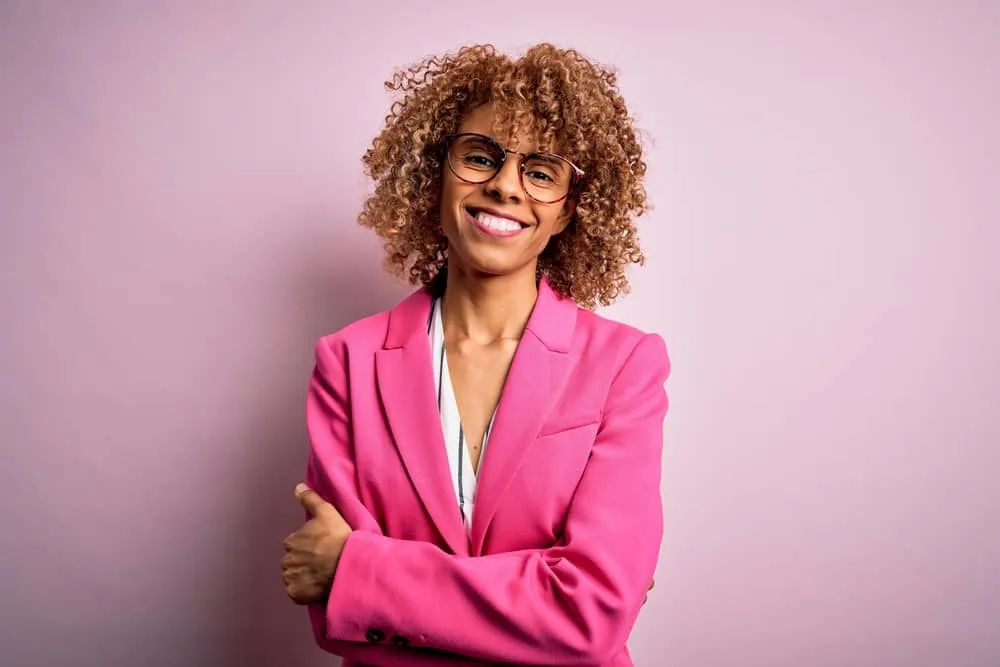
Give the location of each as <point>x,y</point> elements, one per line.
<point>572,604</point>
<point>331,473</point>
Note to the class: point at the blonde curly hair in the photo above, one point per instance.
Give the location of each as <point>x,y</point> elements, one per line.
<point>566,101</point>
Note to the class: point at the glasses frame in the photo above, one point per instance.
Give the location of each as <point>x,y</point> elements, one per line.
<point>575,177</point>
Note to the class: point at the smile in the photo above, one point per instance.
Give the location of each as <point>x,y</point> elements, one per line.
<point>495,225</point>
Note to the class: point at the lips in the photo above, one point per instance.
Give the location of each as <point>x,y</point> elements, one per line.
<point>495,223</point>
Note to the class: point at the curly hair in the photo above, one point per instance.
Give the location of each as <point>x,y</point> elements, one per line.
<point>565,100</point>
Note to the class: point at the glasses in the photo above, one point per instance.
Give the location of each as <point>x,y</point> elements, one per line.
<point>545,177</point>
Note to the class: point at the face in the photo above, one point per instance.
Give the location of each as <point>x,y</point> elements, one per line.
<point>494,228</point>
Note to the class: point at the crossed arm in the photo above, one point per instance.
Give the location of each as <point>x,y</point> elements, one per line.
<point>571,604</point>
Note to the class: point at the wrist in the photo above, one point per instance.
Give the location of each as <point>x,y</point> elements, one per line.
<point>338,551</point>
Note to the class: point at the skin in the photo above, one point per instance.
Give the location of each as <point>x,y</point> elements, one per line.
<point>489,295</point>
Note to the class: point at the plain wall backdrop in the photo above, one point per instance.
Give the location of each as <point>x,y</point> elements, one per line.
<point>179,183</point>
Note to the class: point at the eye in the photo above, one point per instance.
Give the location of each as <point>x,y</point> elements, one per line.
<point>546,171</point>
<point>479,159</point>
<point>539,176</point>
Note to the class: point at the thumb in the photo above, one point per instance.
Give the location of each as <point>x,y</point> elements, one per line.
<point>309,499</point>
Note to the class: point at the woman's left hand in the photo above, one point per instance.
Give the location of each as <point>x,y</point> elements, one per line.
<point>313,551</point>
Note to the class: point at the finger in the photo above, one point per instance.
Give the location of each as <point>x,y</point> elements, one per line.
<point>651,584</point>
<point>310,500</point>
<point>297,596</point>
<point>293,578</point>
<point>298,587</point>
<point>294,559</point>
<point>292,589</point>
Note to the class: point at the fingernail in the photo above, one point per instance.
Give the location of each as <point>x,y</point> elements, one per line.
<point>300,488</point>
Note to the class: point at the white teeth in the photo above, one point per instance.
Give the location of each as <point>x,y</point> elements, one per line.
<point>497,223</point>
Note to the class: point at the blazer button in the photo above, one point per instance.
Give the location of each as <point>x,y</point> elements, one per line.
<point>374,635</point>
<point>400,640</point>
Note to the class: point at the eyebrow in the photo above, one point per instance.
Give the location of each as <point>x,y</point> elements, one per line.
<point>546,156</point>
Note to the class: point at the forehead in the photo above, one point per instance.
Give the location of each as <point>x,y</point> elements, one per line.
<point>486,119</point>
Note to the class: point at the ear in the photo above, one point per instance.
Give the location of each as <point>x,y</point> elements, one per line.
<point>569,208</point>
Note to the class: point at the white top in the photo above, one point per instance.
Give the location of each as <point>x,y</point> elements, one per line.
<point>463,477</point>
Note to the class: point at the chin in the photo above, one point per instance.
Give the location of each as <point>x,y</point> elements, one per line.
<point>492,262</point>
<point>486,267</point>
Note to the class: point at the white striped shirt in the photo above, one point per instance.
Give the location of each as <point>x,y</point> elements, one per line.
<point>463,477</point>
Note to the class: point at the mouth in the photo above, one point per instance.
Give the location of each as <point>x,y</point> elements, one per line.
<point>495,223</point>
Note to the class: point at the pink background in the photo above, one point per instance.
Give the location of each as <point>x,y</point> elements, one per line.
<point>179,187</point>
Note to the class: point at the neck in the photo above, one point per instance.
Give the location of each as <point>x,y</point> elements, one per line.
<point>486,309</point>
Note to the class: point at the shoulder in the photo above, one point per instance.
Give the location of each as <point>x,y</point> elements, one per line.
<point>631,364</point>
<point>368,332</point>
<point>602,337</point>
<point>358,340</point>
<point>384,329</point>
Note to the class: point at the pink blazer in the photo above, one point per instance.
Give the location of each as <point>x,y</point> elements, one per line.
<point>568,517</point>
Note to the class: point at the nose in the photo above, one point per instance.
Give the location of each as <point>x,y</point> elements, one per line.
<point>506,183</point>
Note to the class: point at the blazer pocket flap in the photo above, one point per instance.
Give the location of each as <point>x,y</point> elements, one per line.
<point>562,425</point>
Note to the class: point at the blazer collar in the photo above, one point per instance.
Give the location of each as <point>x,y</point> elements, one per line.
<point>552,320</point>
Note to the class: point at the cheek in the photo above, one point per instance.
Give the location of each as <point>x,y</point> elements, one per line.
<point>550,219</point>
<point>451,195</point>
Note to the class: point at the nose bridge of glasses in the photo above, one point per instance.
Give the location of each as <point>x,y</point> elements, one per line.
<point>509,169</point>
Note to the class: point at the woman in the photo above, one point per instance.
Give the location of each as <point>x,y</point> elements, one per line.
<point>484,471</point>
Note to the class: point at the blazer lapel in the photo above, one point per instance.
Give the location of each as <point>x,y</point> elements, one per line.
<point>406,387</point>
<point>535,380</point>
